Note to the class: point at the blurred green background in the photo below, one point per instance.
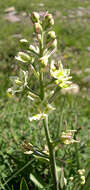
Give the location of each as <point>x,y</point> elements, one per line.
<point>72,26</point>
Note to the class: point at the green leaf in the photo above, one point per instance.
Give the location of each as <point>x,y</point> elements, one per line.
<point>58,171</point>
<point>41,156</point>
<point>36,181</point>
<point>61,178</point>
<point>42,159</point>
<point>12,187</point>
<point>23,184</point>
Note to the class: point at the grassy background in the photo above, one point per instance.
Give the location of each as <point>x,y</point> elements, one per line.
<point>72,26</point>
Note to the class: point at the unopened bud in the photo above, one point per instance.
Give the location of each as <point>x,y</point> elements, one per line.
<point>49,21</point>
<point>38,28</point>
<point>35,17</point>
<point>50,36</point>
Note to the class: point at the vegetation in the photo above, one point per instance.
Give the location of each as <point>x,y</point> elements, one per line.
<point>72,31</point>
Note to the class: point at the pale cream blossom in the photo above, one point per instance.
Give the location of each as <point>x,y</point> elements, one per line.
<point>81,171</point>
<point>68,137</point>
<point>37,117</point>
<point>23,57</point>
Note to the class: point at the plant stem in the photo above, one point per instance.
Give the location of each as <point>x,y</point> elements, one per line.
<point>41,86</point>
<point>45,123</point>
<point>77,156</point>
<point>51,155</point>
<point>40,70</point>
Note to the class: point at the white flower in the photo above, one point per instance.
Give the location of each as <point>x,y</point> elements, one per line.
<point>71,178</point>
<point>37,117</point>
<point>82,180</point>
<point>44,60</point>
<point>24,77</point>
<point>23,57</point>
<point>23,41</point>
<point>34,49</point>
<point>18,83</point>
<point>81,171</point>
<point>67,137</point>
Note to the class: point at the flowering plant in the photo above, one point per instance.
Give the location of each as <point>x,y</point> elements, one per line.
<point>37,57</point>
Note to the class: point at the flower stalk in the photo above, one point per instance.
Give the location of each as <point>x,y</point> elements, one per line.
<point>51,155</point>
<point>45,124</point>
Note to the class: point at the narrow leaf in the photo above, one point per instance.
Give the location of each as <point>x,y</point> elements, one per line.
<point>36,181</point>
<point>23,184</point>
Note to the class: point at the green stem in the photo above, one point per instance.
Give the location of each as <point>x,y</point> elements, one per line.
<point>77,156</point>
<point>45,123</point>
<point>51,155</point>
<point>40,69</point>
<point>41,86</point>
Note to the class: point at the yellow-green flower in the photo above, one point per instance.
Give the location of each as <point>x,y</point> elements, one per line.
<point>61,75</point>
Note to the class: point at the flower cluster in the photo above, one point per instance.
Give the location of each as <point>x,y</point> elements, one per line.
<point>68,137</point>
<point>40,52</point>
